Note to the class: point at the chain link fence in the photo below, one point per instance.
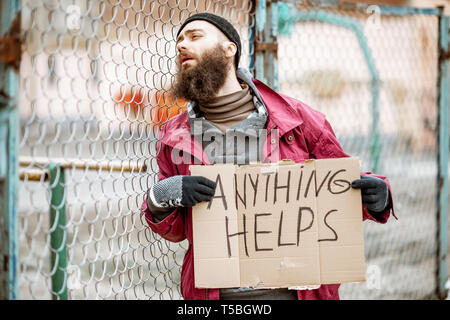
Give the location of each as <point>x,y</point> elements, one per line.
<point>94,80</point>
<point>374,75</point>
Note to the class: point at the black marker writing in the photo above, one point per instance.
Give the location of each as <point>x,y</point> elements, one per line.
<point>300,183</point>
<point>337,182</point>
<point>244,233</point>
<point>299,221</point>
<point>255,186</point>
<point>325,221</point>
<point>277,187</point>
<point>222,196</point>
<point>280,227</point>
<point>267,186</point>
<point>256,232</point>
<point>237,195</point>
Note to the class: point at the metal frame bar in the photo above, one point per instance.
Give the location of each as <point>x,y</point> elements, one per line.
<point>84,164</point>
<point>362,6</point>
<point>402,11</point>
<point>9,89</point>
<point>58,232</point>
<point>443,152</point>
<point>265,42</point>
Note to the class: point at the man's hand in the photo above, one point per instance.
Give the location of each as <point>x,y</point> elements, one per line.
<point>181,191</point>
<point>374,193</point>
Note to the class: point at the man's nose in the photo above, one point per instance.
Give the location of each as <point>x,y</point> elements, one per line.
<point>181,45</point>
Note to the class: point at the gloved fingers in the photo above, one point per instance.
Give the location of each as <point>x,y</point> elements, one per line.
<point>205,181</point>
<point>206,190</point>
<point>202,197</point>
<point>356,184</point>
<point>371,191</point>
<point>370,198</point>
<point>365,183</point>
<point>375,207</point>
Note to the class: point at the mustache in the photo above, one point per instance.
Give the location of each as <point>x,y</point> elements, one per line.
<point>183,54</point>
<point>201,82</point>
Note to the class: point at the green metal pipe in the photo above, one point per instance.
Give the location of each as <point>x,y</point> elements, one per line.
<point>58,233</point>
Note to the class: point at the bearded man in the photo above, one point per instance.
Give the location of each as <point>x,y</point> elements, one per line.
<point>226,104</point>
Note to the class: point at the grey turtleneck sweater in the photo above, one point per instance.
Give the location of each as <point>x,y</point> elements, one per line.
<point>227,111</point>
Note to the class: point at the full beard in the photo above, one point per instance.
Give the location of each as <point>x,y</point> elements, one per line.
<point>201,83</point>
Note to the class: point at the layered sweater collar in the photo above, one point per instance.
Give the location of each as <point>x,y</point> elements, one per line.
<point>227,111</point>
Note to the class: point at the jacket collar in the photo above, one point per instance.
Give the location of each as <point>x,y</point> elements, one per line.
<point>176,134</point>
<point>281,116</point>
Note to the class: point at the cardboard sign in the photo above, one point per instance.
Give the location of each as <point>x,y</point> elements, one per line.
<point>279,225</point>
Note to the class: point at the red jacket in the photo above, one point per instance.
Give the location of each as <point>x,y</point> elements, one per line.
<point>304,134</point>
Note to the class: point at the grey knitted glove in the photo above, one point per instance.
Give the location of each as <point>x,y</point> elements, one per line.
<point>181,191</point>
<point>374,193</point>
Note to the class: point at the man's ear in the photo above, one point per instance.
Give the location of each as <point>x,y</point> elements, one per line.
<point>230,49</point>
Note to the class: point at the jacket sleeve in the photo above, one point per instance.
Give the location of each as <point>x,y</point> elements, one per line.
<point>171,227</point>
<point>326,145</point>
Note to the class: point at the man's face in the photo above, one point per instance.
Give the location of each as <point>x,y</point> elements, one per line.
<point>205,58</point>
<point>196,38</point>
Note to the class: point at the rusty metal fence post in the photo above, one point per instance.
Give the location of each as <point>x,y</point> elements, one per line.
<point>265,42</point>
<point>9,89</point>
<point>443,151</point>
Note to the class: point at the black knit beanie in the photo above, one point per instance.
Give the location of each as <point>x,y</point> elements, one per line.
<point>223,25</point>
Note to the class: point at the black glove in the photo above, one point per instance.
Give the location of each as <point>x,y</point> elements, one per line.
<point>374,193</point>
<point>196,189</point>
<point>181,191</point>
